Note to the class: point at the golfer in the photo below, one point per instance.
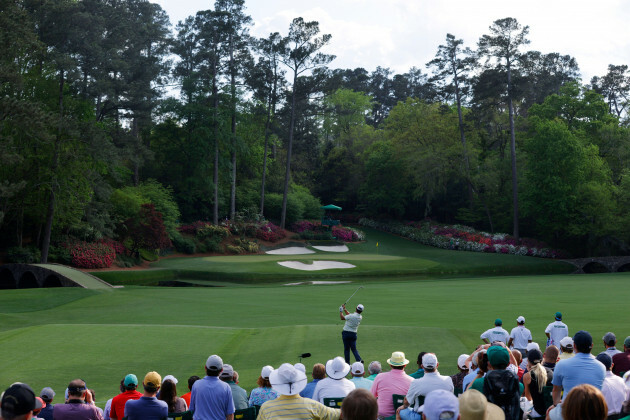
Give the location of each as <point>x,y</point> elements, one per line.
<point>349,333</point>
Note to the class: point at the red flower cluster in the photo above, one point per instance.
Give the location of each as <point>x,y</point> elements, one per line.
<point>91,255</point>
<point>118,247</point>
<point>270,232</point>
<point>344,234</point>
<point>304,225</point>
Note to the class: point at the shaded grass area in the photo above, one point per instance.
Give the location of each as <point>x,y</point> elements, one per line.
<point>102,335</point>
<point>394,257</point>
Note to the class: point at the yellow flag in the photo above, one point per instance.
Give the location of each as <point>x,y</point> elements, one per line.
<point>377,244</point>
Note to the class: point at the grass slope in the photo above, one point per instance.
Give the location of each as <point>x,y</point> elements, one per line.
<point>50,336</point>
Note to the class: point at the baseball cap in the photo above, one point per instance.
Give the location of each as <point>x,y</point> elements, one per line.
<point>605,359</point>
<point>429,360</point>
<point>170,378</point>
<point>520,319</point>
<point>266,371</point>
<point>498,357</point>
<point>357,368</point>
<point>19,399</point>
<point>534,355</point>
<point>461,361</point>
<point>610,338</point>
<point>40,401</point>
<point>498,322</point>
<point>228,371</point>
<point>626,342</point>
<point>398,359</point>
<point>439,405</point>
<point>360,308</point>
<point>214,362</point>
<point>532,346</point>
<point>287,380</point>
<point>473,405</point>
<point>152,380</point>
<point>582,339</point>
<point>558,316</point>
<point>566,342</point>
<point>47,394</point>
<point>130,379</point>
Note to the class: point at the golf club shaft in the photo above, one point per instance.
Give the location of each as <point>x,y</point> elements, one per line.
<point>355,292</point>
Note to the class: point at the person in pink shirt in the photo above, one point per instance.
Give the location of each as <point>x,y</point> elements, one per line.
<point>386,384</point>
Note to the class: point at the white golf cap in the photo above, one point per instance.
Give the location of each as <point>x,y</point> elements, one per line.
<point>266,371</point>
<point>214,362</point>
<point>567,342</point>
<point>429,361</point>
<point>532,345</point>
<point>170,378</point>
<point>337,368</point>
<point>520,319</point>
<point>357,368</point>
<point>461,361</point>
<point>360,307</point>
<point>300,367</point>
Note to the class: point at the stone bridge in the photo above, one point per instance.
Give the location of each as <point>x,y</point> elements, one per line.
<point>29,276</point>
<point>600,264</point>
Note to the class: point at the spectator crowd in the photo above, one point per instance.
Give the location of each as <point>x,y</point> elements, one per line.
<point>507,377</point>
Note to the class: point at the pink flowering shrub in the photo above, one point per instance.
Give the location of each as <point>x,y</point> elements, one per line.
<point>345,234</point>
<point>270,232</point>
<point>91,255</point>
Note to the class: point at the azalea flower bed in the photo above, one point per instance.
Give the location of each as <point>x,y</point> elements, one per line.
<point>91,255</point>
<point>464,238</point>
<point>270,232</point>
<point>340,233</point>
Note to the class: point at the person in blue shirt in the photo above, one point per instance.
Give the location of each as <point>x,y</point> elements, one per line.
<point>319,373</point>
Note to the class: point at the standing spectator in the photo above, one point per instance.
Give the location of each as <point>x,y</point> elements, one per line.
<point>613,388</point>
<point>129,384</point>
<point>534,380</point>
<point>211,399</point>
<point>239,395</point>
<point>18,402</point>
<point>420,372</point>
<point>498,333</point>
<point>288,382</point>
<point>458,378</point>
<point>621,361</point>
<point>47,395</point>
<point>556,331</point>
<point>566,348</point>
<point>584,402</point>
<point>582,368</point>
<point>349,333</point>
<point>168,394</point>
<point>360,404</point>
<point>374,368</point>
<point>520,336</point>
<point>335,385</point>
<point>80,405</point>
<point>319,373</point>
<point>357,379</point>
<point>148,407</point>
<point>264,392</point>
<point>386,384</point>
<point>191,382</point>
<point>610,341</point>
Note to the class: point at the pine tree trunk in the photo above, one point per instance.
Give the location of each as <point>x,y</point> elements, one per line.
<point>287,175</point>
<point>513,153</point>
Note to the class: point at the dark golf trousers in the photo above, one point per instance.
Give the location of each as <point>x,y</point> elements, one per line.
<point>350,343</point>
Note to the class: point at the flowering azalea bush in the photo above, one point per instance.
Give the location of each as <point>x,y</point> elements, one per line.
<point>118,247</point>
<point>91,255</point>
<point>270,232</point>
<point>464,238</point>
<point>341,233</point>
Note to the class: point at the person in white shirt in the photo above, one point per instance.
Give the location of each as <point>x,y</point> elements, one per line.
<point>556,331</point>
<point>520,336</point>
<point>613,388</point>
<point>335,385</point>
<point>431,381</point>
<point>349,332</point>
<point>498,333</point>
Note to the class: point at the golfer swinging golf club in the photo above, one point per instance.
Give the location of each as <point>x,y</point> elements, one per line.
<point>349,333</point>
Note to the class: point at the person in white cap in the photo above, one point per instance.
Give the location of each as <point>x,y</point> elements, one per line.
<point>566,348</point>
<point>458,378</point>
<point>386,384</point>
<point>440,405</point>
<point>211,398</point>
<point>520,336</point>
<point>288,382</point>
<point>349,332</point>
<point>530,346</point>
<point>335,385</point>
<point>264,392</point>
<point>431,381</point>
<point>357,379</point>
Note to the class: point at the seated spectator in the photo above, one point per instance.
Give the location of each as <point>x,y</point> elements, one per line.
<point>518,356</point>
<point>129,384</point>
<point>288,382</point>
<point>584,402</point>
<point>264,392</point>
<point>482,369</point>
<point>36,411</point>
<point>614,388</point>
<point>621,361</point>
<point>420,372</point>
<point>80,405</point>
<point>530,346</point>
<point>458,378</point>
<point>18,402</point>
<point>386,384</point>
<point>566,348</point>
<point>47,395</point>
<point>473,359</point>
<point>300,367</point>
<point>191,382</point>
<point>335,385</point>
<point>360,404</point>
<point>550,357</point>
<point>100,410</point>
<point>610,341</point>
<point>473,405</point>
<point>534,380</point>
<point>374,368</point>
<point>239,395</point>
<point>500,385</point>
<point>440,405</point>
<point>168,394</point>
<point>147,407</point>
<point>319,373</point>
<point>357,379</point>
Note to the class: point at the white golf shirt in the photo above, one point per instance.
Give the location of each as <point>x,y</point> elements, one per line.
<point>496,334</point>
<point>615,392</point>
<point>429,382</point>
<point>557,331</point>
<point>520,337</point>
<point>331,388</point>
<point>352,322</point>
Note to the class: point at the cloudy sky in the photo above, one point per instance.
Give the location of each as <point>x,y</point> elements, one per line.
<point>400,34</point>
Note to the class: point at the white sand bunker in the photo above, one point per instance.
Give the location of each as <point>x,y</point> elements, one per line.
<point>317,282</point>
<point>291,250</point>
<point>316,265</point>
<point>334,248</point>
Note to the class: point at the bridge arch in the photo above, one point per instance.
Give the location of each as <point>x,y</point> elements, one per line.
<point>28,281</point>
<point>52,280</point>
<point>595,267</point>
<point>7,279</point>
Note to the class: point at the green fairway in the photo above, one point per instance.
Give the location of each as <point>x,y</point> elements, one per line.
<point>50,336</point>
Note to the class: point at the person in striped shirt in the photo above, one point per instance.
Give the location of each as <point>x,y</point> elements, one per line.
<point>288,381</point>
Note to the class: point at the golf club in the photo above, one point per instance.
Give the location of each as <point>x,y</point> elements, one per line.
<point>303,355</point>
<point>355,292</point>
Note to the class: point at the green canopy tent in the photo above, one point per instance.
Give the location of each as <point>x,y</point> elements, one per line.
<point>327,220</point>
<point>331,207</point>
